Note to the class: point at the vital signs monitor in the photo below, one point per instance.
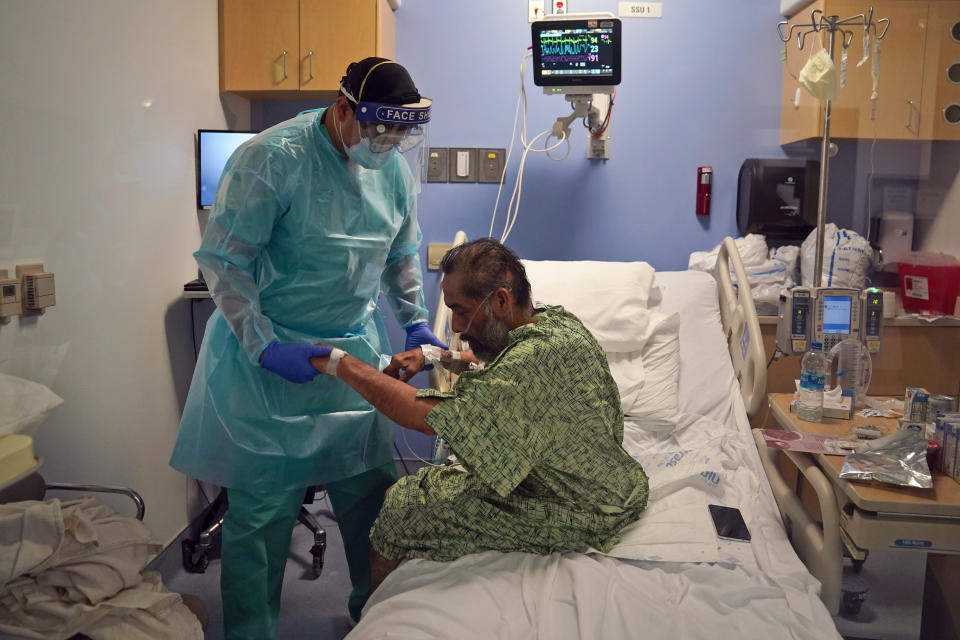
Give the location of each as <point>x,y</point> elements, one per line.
<point>576,55</point>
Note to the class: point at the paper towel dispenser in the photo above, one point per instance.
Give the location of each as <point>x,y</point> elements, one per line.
<point>778,198</point>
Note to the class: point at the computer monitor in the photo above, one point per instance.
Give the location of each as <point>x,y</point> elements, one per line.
<point>214,148</point>
<point>576,55</point>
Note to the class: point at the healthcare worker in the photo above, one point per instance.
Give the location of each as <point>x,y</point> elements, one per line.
<point>312,218</point>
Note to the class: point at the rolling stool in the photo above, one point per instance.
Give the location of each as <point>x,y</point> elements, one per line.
<point>196,553</point>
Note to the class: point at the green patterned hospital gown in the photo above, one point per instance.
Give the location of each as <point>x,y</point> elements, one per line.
<point>539,433</point>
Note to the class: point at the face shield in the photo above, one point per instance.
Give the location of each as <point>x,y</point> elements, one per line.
<point>388,127</point>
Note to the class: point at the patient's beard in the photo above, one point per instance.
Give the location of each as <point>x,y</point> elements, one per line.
<point>492,340</point>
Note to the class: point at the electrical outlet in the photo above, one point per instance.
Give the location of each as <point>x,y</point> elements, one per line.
<point>435,253</point>
<point>38,290</point>
<point>535,10</point>
<point>29,267</point>
<point>598,148</point>
<point>10,296</point>
<point>438,164</point>
<point>490,165</point>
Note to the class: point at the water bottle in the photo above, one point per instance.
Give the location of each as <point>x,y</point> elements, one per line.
<point>813,373</point>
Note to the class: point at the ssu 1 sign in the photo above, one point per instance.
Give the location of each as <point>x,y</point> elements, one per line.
<point>641,9</point>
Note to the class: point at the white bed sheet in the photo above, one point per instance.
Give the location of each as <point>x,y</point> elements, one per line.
<point>518,596</point>
<point>745,590</point>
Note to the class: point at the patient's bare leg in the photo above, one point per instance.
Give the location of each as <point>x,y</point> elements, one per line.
<point>380,568</point>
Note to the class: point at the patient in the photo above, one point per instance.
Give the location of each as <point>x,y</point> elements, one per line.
<point>537,429</point>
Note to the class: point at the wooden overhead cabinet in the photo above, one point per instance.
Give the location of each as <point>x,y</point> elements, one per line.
<point>915,87</point>
<point>276,49</point>
<point>941,73</point>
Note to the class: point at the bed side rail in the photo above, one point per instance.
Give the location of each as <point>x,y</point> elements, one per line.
<point>818,547</point>
<point>741,327</point>
<point>440,378</point>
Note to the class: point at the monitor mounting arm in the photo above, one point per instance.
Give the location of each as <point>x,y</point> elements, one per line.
<point>582,107</point>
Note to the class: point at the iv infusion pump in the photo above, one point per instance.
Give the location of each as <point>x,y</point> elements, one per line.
<point>829,315</point>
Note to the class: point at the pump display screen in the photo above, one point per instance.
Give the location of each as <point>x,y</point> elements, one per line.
<point>836,314</point>
<point>572,52</point>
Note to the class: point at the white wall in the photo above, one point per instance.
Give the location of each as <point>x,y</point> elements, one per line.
<point>99,103</point>
<point>937,224</point>
<point>942,233</point>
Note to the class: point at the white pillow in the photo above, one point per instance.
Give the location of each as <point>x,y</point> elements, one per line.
<point>612,299</point>
<point>628,372</point>
<point>706,375</point>
<point>25,403</point>
<point>648,378</point>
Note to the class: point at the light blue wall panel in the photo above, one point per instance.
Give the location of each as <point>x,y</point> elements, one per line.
<point>701,86</point>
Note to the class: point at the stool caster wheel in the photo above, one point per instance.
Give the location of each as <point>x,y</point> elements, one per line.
<point>194,560</point>
<point>318,550</point>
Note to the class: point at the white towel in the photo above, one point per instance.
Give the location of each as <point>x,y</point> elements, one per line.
<point>30,533</point>
<point>76,567</point>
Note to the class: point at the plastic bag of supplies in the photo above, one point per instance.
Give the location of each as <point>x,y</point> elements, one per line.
<point>846,258</point>
<point>767,271</point>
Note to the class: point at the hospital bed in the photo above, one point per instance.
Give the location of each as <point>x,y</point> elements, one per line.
<point>670,576</point>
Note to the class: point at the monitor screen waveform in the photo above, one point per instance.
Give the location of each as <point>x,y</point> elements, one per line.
<point>576,52</point>
<point>573,48</point>
<point>580,52</point>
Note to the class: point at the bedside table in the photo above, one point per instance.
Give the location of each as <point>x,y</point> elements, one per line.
<point>864,515</point>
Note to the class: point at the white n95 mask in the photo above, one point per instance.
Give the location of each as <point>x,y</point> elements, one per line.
<point>819,76</point>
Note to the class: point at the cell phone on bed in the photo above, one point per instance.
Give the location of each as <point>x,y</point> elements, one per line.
<point>729,523</point>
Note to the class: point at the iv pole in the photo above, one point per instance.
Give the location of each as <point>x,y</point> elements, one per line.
<point>831,24</point>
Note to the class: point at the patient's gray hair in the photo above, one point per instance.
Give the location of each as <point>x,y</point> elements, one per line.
<point>486,265</point>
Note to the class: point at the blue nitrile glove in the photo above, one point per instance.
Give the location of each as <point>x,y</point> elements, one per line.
<point>418,334</point>
<point>292,360</point>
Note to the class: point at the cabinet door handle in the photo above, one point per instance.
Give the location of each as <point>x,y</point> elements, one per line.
<point>309,66</point>
<point>279,70</point>
<point>910,116</point>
